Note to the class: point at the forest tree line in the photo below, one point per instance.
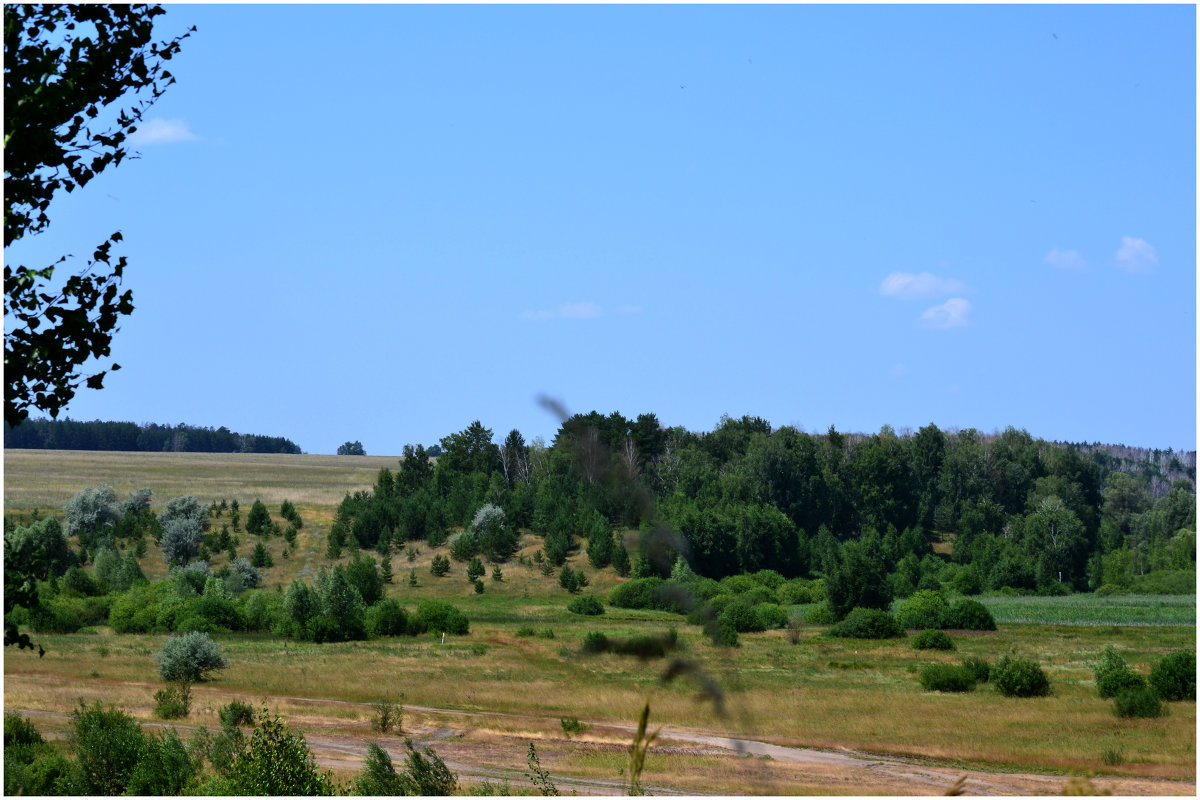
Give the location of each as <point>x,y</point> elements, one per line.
<point>68,434</point>
<point>1007,510</point>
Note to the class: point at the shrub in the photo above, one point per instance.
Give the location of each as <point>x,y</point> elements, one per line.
<point>1020,677</point>
<point>867,623</point>
<point>440,565</point>
<point>173,701</point>
<point>586,606</point>
<point>643,593</point>
<point>525,630</point>
<point>1174,677</point>
<point>427,775</point>
<point>947,678</point>
<point>978,667</point>
<point>1110,660</point>
<point>437,616</point>
<point>387,618</point>
<point>932,640</point>
<point>235,713</point>
<point>378,777</point>
<point>19,731</point>
<point>571,725</point>
<point>188,657</point>
<point>108,743</point>
<point>595,642</point>
<point>721,632</point>
<point>820,615</point>
<point>277,761</point>
<point>164,767</point>
<point>794,593</point>
<point>971,615</point>
<point>924,610</point>
<point>770,615</point>
<point>741,617</point>
<point>1115,681</point>
<point>1138,701</point>
<point>49,773</point>
<point>388,714</point>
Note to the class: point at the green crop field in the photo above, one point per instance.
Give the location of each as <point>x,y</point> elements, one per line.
<point>1089,609</point>
<point>846,716</point>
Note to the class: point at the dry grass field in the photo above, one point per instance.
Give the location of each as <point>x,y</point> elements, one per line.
<point>824,716</point>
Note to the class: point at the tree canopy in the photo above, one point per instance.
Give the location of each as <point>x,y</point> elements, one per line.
<point>77,80</point>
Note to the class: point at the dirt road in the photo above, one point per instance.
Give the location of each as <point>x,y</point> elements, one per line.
<point>492,746</point>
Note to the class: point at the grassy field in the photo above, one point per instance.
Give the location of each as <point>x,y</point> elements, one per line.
<point>48,478</point>
<point>498,689</point>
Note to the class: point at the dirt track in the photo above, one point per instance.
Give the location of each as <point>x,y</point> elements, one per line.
<point>476,751</point>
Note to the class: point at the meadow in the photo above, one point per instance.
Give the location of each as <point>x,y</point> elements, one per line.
<point>479,699</point>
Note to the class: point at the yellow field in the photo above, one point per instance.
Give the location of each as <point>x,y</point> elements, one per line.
<point>48,478</point>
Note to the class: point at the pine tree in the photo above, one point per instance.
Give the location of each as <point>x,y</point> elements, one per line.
<point>385,568</point>
<point>261,557</point>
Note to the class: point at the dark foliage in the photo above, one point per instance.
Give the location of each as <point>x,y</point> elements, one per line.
<point>947,678</point>
<point>868,623</point>
<point>1174,676</point>
<point>1019,677</point>
<point>932,640</point>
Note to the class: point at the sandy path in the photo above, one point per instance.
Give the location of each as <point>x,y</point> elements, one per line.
<point>775,767</point>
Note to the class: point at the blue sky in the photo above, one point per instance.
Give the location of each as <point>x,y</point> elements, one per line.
<point>383,222</point>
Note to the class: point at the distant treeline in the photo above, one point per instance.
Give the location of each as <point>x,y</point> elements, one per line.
<point>68,434</point>
<point>1006,511</point>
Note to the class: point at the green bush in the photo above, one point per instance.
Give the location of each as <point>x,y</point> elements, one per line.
<point>173,701</point>
<point>277,761</point>
<point>1019,677</point>
<point>586,606</point>
<point>164,768</point>
<point>49,773</point>
<point>236,713</point>
<point>188,657</point>
<point>1174,676</point>
<point>721,632</point>
<point>741,617</point>
<point>1110,660</point>
<point>924,610</point>
<point>820,615</point>
<point>108,743</point>
<point>387,618</point>
<point>437,616</point>
<point>525,630</point>
<point>978,667</point>
<point>770,615</point>
<point>595,642</point>
<point>1115,681</point>
<point>867,623</point>
<point>1138,702</point>
<point>795,593</point>
<point>932,640</point>
<point>947,678</point>
<point>971,615</point>
<point>645,593</point>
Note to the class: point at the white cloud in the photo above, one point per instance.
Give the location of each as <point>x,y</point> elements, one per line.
<point>566,311</point>
<point>1136,256</point>
<point>951,314</point>
<point>1065,259</point>
<point>162,131</point>
<point>907,286</point>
